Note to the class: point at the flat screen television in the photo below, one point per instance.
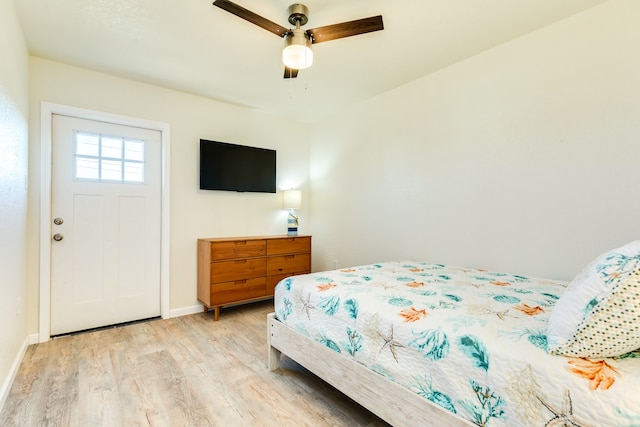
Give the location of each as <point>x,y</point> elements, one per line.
<point>232,167</point>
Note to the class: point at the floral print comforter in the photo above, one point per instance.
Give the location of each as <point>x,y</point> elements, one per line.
<point>471,341</point>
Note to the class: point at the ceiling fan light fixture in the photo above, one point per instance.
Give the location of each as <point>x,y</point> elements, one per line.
<point>297,53</point>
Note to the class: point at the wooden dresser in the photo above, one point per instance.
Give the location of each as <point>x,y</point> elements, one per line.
<point>234,270</point>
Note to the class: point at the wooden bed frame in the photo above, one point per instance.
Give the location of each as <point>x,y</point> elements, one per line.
<point>391,402</point>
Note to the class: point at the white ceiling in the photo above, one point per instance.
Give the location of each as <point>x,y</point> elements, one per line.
<point>195,47</point>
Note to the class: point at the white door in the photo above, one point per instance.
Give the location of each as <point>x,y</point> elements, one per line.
<point>106,224</point>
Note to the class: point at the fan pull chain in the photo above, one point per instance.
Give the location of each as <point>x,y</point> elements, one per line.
<point>290,85</point>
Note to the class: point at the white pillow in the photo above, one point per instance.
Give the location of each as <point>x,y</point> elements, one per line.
<point>599,313</point>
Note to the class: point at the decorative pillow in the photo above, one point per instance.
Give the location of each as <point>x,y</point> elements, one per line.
<point>599,313</point>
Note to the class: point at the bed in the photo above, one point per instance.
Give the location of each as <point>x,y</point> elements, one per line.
<point>440,345</point>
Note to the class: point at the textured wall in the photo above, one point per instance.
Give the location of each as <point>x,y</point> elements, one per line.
<point>14,80</point>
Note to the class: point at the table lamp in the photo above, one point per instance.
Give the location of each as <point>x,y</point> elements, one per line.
<point>291,200</point>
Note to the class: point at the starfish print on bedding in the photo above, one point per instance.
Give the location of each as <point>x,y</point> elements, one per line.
<point>390,343</point>
<point>307,306</point>
<point>481,310</point>
<point>384,285</point>
<point>562,417</point>
<point>501,314</point>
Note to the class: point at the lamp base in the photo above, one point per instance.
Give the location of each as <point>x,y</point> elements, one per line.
<point>292,225</point>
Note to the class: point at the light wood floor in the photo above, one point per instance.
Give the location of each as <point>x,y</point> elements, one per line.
<point>187,371</point>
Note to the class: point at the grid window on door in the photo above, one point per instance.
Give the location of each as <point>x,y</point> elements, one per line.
<point>108,158</point>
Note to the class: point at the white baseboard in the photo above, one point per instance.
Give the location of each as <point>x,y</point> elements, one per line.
<point>34,339</point>
<point>8,382</point>
<point>185,311</point>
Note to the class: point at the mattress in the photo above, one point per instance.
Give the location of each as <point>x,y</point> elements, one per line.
<point>469,340</point>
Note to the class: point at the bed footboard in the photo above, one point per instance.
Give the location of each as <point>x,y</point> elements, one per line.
<point>391,402</point>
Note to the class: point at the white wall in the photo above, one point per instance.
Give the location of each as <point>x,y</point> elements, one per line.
<point>13,193</point>
<point>194,213</point>
<point>523,158</point>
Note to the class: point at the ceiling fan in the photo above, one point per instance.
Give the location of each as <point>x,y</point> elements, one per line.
<point>297,54</point>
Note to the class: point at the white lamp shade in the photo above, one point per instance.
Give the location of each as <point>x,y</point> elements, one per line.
<point>292,199</point>
<point>297,53</point>
<point>297,57</point>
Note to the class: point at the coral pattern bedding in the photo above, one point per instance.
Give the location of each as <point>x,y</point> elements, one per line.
<point>471,341</point>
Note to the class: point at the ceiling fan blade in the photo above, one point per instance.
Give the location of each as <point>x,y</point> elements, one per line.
<point>346,29</point>
<point>290,73</point>
<point>252,17</point>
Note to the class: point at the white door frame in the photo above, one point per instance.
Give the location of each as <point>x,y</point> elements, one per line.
<point>47,110</point>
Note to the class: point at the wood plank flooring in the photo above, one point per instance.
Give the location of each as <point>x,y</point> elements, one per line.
<point>186,371</point>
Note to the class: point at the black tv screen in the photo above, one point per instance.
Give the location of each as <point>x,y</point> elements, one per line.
<point>232,167</point>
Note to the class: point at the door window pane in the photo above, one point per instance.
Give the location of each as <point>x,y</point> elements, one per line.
<point>87,145</point>
<point>108,158</point>
<point>134,150</point>
<point>112,147</point>
<point>111,170</point>
<point>87,168</point>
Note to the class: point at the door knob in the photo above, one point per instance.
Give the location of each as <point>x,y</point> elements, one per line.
<point>58,221</point>
<point>57,237</point>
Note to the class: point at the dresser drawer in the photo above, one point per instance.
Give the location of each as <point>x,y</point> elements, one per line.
<point>238,249</point>
<point>238,269</point>
<point>284,264</point>
<point>288,245</point>
<point>227,292</point>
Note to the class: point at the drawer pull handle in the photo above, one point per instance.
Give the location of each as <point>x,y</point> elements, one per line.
<point>240,261</point>
<point>240,242</point>
<point>241,282</point>
<point>289,256</point>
